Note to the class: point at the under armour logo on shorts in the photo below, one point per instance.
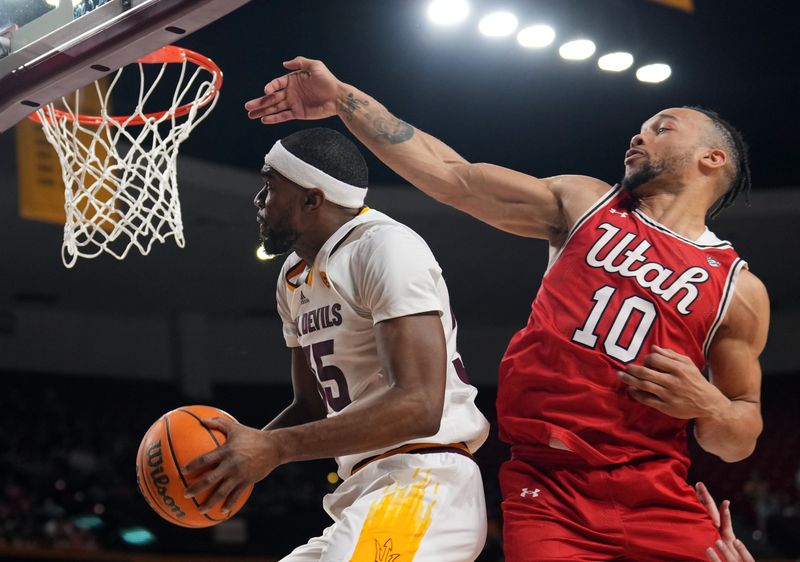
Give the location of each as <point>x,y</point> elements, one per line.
<point>532,493</point>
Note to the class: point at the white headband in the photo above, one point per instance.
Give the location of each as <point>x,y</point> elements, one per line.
<point>305,175</point>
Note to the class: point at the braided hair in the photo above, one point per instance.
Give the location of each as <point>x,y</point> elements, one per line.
<point>734,144</point>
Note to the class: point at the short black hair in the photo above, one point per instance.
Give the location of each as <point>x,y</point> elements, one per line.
<point>734,144</point>
<point>331,152</point>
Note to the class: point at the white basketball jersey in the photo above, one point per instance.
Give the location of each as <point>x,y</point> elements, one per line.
<point>372,269</point>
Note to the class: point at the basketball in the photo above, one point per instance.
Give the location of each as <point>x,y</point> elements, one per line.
<point>173,440</point>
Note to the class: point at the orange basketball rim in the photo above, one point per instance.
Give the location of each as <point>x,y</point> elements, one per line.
<point>169,54</point>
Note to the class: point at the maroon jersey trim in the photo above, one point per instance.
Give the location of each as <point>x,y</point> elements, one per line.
<point>292,273</point>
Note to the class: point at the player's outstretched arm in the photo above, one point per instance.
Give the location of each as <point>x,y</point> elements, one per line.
<point>508,200</point>
<point>413,352</point>
<point>307,405</point>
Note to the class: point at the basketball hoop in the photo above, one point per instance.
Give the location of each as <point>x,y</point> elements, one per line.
<point>120,171</point>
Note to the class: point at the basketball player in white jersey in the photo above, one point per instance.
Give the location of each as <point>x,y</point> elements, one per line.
<point>378,382</point>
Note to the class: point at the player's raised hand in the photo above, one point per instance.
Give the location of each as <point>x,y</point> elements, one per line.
<point>247,456</point>
<point>731,548</point>
<point>671,383</point>
<point>307,92</point>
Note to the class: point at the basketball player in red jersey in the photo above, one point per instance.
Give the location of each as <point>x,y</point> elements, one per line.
<point>596,392</point>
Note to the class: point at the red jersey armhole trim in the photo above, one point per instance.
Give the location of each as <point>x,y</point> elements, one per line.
<point>591,211</point>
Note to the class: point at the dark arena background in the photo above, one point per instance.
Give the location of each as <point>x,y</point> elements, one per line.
<point>91,356</point>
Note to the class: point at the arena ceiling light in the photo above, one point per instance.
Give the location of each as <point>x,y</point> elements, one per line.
<point>536,36</point>
<point>579,49</point>
<point>615,62</point>
<point>498,24</point>
<point>448,12</point>
<point>654,73</point>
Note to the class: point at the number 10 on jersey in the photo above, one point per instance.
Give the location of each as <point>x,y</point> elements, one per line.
<point>588,336</point>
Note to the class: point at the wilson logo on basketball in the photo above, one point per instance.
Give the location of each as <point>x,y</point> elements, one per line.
<point>161,480</point>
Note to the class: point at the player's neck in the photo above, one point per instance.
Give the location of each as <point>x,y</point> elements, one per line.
<point>682,213</point>
<point>309,245</point>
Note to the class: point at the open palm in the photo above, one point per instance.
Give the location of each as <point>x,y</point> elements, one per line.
<point>308,92</point>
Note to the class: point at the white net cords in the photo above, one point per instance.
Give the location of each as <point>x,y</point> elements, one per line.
<point>120,177</point>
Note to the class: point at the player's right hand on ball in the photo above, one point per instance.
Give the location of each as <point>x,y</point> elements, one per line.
<point>247,456</point>
<point>308,92</point>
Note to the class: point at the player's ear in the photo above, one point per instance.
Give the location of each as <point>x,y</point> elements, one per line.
<point>714,158</point>
<point>314,199</point>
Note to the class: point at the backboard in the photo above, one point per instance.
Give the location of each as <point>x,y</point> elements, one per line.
<point>49,48</point>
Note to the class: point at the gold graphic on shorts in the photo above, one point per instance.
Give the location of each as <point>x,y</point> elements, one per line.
<point>384,553</point>
<point>396,523</point>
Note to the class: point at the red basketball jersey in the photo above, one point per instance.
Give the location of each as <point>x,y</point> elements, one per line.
<point>620,284</point>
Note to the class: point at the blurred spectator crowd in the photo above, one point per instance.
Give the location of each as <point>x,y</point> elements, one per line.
<point>67,472</point>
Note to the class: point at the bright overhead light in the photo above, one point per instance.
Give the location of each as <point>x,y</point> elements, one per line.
<point>448,12</point>
<point>580,49</point>
<point>53,3</point>
<point>498,24</point>
<point>654,73</point>
<point>536,36</point>
<point>262,254</point>
<point>615,62</point>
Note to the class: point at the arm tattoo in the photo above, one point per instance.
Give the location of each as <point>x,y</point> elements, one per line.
<point>386,128</point>
<point>389,129</point>
<point>350,105</point>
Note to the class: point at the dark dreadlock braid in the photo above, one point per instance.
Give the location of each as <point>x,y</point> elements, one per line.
<point>737,149</point>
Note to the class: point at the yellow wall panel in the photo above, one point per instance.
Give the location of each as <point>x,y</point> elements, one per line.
<point>41,184</point>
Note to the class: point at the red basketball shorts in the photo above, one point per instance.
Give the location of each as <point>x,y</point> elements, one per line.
<point>643,512</point>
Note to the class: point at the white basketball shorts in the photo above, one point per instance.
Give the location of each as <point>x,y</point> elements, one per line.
<point>423,507</point>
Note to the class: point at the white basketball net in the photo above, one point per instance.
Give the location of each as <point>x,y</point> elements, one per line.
<point>120,178</point>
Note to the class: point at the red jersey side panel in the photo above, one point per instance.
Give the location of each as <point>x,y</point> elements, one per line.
<point>621,284</point>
